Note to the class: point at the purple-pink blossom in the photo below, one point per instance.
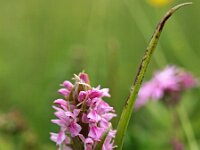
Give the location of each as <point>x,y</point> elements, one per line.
<point>167,84</point>
<point>83,114</point>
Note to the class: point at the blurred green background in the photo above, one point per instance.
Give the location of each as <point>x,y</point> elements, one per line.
<point>44,42</point>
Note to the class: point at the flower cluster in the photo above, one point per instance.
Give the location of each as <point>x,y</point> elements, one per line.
<point>167,84</point>
<point>83,117</point>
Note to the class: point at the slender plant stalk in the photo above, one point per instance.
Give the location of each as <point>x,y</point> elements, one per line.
<point>187,127</point>
<point>61,147</point>
<point>128,108</point>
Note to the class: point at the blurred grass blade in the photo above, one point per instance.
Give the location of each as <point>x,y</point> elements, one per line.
<point>128,108</point>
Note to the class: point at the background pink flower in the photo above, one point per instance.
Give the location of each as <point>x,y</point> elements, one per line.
<point>169,82</point>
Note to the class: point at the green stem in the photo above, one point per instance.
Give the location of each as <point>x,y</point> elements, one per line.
<point>187,127</point>
<point>61,147</point>
<point>128,108</point>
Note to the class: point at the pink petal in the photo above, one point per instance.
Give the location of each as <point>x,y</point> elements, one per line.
<point>58,138</point>
<point>103,107</point>
<point>74,129</point>
<point>84,118</point>
<point>96,132</point>
<point>64,92</point>
<point>140,102</point>
<point>68,85</point>
<point>105,92</point>
<point>58,122</point>
<point>108,116</point>
<point>93,116</point>
<point>84,77</point>
<point>82,95</point>
<point>188,81</point>
<point>69,114</point>
<point>108,143</point>
<point>76,112</point>
<point>61,103</point>
<point>93,102</point>
<point>167,78</point>
<point>145,93</point>
<point>157,94</point>
<point>88,144</point>
<point>89,141</point>
<point>94,93</point>
<point>104,123</point>
<point>60,114</point>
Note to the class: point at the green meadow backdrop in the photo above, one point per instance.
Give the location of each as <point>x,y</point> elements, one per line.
<point>44,42</point>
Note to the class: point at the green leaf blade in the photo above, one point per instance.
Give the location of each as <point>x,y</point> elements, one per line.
<point>128,108</point>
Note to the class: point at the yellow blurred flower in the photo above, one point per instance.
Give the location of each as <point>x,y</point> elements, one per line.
<point>159,2</point>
